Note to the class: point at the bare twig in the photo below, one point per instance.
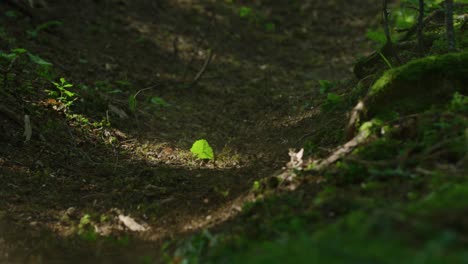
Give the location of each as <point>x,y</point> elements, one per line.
<point>197,46</point>
<point>200,73</point>
<point>175,47</point>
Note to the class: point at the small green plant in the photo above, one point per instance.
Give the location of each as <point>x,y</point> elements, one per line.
<point>325,86</point>
<point>132,102</point>
<point>245,11</point>
<point>62,94</point>
<point>333,100</point>
<point>158,101</point>
<point>270,27</point>
<point>38,60</point>
<point>86,229</point>
<point>378,36</point>
<point>256,186</point>
<point>202,150</point>
<point>13,55</point>
<point>17,52</point>
<point>459,103</point>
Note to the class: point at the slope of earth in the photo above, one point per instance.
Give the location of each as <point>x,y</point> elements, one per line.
<point>119,143</point>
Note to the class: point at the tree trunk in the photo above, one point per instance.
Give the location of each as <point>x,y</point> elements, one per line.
<point>388,36</point>
<point>449,25</point>
<point>421,26</point>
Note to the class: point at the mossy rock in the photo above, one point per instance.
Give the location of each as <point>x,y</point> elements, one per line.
<point>418,85</point>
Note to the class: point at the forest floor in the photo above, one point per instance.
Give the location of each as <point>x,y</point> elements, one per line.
<point>104,156</point>
<point>258,97</point>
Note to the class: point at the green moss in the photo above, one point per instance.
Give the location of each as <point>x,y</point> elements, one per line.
<point>419,84</point>
<point>358,238</point>
<point>453,65</point>
<point>450,198</point>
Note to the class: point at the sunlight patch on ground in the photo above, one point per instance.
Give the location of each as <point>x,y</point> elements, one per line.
<point>162,153</point>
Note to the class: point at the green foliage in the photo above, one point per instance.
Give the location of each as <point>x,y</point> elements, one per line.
<point>34,33</point>
<point>270,27</point>
<point>191,250</point>
<point>422,78</point>
<point>202,150</point>
<point>256,18</point>
<point>256,187</point>
<point>447,199</point>
<point>245,11</point>
<point>370,127</point>
<point>62,94</point>
<point>86,229</point>
<point>38,60</point>
<point>377,35</point>
<point>158,101</point>
<point>18,52</point>
<point>132,103</point>
<point>333,100</point>
<point>459,103</point>
<point>325,86</point>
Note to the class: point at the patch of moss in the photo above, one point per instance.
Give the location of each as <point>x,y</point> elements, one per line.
<point>453,65</point>
<point>419,84</point>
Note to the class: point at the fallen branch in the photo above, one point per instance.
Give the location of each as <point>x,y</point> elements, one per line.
<point>347,148</point>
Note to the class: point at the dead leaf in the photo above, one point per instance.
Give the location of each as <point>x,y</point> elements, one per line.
<point>296,158</point>
<point>131,224</point>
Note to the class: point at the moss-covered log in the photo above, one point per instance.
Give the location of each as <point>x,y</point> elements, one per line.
<point>413,87</point>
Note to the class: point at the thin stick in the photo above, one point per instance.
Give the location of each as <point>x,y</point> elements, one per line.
<point>203,69</point>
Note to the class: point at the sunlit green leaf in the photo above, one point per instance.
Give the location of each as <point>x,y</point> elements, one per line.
<point>202,150</point>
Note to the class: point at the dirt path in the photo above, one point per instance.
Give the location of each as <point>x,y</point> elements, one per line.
<point>258,97</point>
